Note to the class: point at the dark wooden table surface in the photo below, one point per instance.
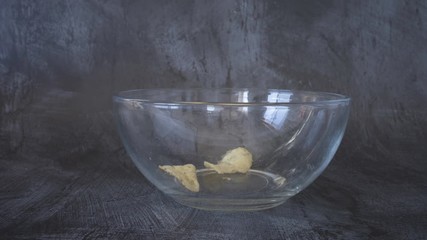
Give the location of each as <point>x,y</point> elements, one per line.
<point>64,173</point>
<point>363,194</point>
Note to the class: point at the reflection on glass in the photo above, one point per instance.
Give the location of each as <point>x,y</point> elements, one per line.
<point>276,116</point>
<point>243,98</point>
<point>166,106</point>
<point>210,108</point>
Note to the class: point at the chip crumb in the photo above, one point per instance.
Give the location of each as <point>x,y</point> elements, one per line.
<point>186,175</point>
<point>235,160</point>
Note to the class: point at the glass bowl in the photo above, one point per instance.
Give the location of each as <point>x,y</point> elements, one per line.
<point>290,136</point>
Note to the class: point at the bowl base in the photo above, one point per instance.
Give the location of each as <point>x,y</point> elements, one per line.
<point>254,190</point>
<point>231,204</point>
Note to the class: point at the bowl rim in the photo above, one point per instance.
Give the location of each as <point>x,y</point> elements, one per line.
<point>338,98</point>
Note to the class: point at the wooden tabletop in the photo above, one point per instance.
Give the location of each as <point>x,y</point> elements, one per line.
<point>364,193</point>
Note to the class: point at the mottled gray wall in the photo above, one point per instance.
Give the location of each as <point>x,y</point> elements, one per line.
<point>61,61</point>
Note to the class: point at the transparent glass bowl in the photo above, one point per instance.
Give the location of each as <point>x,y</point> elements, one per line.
<point>292,136</point>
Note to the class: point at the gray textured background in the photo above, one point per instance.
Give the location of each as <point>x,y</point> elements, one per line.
<point>63,170</point>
